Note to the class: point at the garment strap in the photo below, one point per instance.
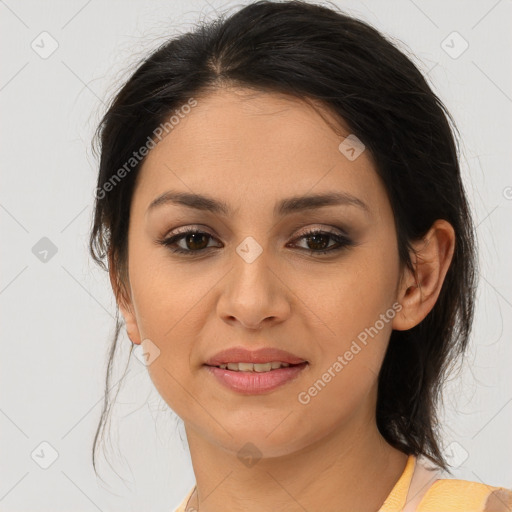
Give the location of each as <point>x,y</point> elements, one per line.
<point>422,479</point>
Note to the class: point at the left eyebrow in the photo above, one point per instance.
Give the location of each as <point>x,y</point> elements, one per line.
<point>284,207</point>
<point>313,201</point>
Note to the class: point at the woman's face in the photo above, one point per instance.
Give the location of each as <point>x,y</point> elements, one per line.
<point>251,152</point>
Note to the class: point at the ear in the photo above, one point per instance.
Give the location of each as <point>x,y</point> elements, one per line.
<point>419,290</point>
<point>124,303</point>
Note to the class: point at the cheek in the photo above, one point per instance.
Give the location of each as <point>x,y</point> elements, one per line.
<point>173,306</point>
<point>358,311</point>
<point>358,292</point>
<point>167,294</point>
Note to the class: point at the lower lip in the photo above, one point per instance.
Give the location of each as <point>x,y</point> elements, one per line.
<point>254,383</point>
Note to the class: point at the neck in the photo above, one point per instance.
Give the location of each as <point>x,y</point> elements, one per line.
<point>353,468</point>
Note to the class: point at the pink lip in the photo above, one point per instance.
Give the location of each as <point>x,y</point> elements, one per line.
<point>254,383</point>
<point>262,355</point>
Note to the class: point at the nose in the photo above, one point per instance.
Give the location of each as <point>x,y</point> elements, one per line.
<point>254,296</point>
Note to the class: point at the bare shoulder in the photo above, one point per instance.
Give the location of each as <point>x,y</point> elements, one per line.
<point>499,500</point>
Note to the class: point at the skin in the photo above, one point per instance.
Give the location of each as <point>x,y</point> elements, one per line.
<point>250,150</point>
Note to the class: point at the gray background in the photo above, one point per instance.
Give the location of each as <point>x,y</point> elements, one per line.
<point>57,310</point>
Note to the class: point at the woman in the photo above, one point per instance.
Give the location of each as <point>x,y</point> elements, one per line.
<point>280,203</point>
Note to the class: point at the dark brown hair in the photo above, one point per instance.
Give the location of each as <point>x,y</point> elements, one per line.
<point>314,52</point>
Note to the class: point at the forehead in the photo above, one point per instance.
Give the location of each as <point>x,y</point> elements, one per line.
<point>239,141</point>
<point>277,120</point>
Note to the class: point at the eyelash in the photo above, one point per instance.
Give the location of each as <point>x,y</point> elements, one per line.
<point>342,241</point>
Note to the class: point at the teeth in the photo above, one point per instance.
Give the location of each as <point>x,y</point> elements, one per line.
<point>250,367</point>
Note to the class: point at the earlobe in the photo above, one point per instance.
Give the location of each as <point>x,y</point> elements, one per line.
<point>125,306</point>
<point>419,290</point>
<point>130,321</point>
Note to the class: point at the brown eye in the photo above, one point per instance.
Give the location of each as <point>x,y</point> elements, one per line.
<point>196,241</point>
<point>317,241</point>
<point>192,241</point>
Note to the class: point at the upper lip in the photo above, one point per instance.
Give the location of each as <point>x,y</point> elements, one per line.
<point>262,355</point>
